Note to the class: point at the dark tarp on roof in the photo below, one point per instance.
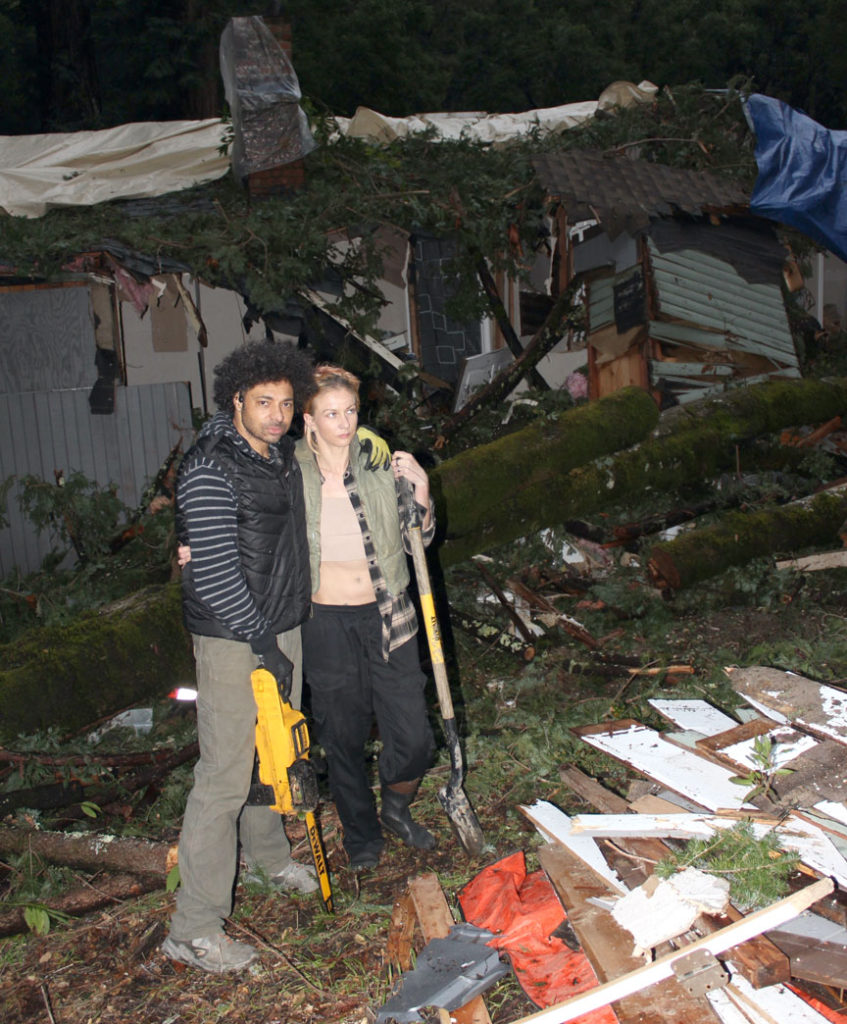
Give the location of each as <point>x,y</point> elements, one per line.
<point>626,194</point>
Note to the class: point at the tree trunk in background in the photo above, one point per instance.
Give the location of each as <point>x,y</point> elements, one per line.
<point>91,852</point>
<point>494,493</point>
<point>741,536</point>
<point>104,892</point>
<point>69,87</point>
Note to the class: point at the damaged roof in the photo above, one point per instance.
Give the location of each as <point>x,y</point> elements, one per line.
<point>625,194</point>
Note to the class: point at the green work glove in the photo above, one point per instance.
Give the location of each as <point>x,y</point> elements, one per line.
<point>375,448</point>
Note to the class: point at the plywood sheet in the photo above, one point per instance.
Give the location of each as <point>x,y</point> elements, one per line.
<point>696,715</point>
<point>814,706</point>
<point>648,752</point>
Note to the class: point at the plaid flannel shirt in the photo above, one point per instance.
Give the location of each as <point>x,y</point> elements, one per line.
<point>397,613</point>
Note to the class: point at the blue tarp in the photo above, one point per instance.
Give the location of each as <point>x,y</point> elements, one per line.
<point>802,177</point>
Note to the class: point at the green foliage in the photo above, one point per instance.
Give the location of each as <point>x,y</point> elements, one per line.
<point>757,868</point>
<point>173,879</point>
<point>111,559</point>
<point>759,780</point>
<point>39,918</point>
<point>77,512</point>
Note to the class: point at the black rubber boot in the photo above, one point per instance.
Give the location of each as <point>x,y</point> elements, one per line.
<point>395,816</point>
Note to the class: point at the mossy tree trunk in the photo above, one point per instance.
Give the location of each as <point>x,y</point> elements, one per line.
<point>494,493</point>
<point>106,660</point>
<point>740,537</point>
<point>550,472</point>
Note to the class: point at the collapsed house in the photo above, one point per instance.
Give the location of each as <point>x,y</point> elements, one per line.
<point>681,284</point>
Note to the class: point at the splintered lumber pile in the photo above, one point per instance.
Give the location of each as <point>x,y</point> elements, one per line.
<point>593,858</point>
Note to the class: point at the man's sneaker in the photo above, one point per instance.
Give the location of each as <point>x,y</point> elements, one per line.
<point>216,953</point>
<point>294,877</point>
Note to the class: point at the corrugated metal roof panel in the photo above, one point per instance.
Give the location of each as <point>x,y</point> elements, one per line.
<point>705,292</point>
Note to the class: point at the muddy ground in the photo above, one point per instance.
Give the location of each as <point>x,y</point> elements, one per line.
<point>106,968</point>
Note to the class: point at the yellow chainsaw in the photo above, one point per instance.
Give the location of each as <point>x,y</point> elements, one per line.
<point>282,743</point>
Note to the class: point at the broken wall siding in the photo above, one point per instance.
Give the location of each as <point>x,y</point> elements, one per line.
<point>47,431</point>
<point>149,362</point>
<point>47,338</point>
<point>718,309</point>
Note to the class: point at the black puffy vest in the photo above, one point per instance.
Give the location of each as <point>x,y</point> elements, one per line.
<point>271,535</point>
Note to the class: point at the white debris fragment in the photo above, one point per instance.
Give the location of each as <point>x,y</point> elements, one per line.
<point>661,909</point>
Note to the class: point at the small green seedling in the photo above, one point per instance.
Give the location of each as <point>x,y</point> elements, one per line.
<point>760,778</point>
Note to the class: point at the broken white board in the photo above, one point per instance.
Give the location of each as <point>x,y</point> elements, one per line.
<point>555,825</point>
<point>763,709</point>
<point>815,929</point>
<point>763,1005</point>
<point>833,809</point>
<point>645,750</point>
<point>808,841</point>
<point>694,715</point>
<point>786,745</point>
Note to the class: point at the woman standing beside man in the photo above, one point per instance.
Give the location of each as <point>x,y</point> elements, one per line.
<point>360,654</point>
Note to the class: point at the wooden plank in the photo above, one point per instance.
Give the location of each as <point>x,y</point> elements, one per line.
<point>759,960</point>
<point>554,824</point>
<point>424,903</point>
<point>609,946</point>
<point>774,1005</point>
<point>795,833</point>
<point>592,791</point>
<point>815,563</point>
<point>684,772</point>
<point>817,947</point>
<point>716,943</point>
<point>820,709</point>
<point>653,804</point>
<point>696,715</point>
<point>737,734</point>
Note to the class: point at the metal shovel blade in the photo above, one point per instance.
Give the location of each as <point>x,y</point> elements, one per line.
<point>454,800</point>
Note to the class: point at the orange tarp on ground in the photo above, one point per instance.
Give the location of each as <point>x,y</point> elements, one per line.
<point>523,911</point>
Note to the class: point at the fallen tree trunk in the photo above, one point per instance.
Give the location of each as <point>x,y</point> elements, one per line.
<point>82,900</point>
<point>493,493</point>
<point>541,476</point>
<point>742,536</point>
<point>102,791</point>
<point>103,661</point>
<point>91,852</point>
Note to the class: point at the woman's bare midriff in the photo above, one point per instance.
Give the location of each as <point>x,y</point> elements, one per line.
<point>345,583</point>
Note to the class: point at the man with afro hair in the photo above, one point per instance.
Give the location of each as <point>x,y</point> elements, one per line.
<point>246,590</point>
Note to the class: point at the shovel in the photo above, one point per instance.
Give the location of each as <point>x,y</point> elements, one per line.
<point>452,797</point>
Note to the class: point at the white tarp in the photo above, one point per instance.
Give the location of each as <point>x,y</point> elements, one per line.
<point>151,158</point>
<point>130,161</point>
<point>492,128</point>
